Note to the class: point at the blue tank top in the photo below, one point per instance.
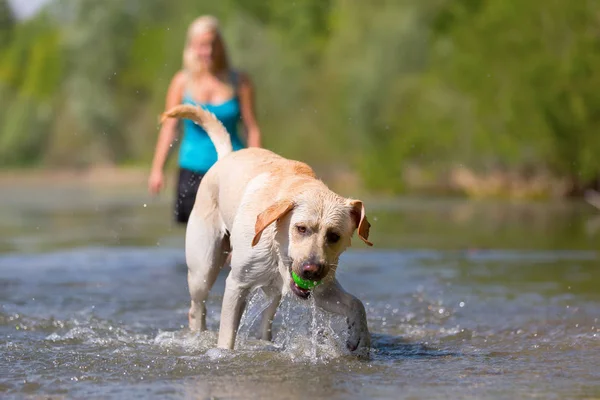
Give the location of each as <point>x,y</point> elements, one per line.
<point>196,151</point>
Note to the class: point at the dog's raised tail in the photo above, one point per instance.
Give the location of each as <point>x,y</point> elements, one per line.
<point>207,120</point>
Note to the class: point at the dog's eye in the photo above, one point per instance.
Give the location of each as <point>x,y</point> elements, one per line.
<point>301,228</point>
<point>333,237</point>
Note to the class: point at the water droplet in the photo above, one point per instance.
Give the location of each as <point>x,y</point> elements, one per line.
<point>461,304</point>
<point>145,205</point>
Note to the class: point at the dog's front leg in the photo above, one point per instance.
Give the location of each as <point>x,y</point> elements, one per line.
<point>234,303</point>
<point>333,298</point>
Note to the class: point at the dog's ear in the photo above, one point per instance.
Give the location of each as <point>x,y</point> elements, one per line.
<point>360,220</point>
<point>270,215</point>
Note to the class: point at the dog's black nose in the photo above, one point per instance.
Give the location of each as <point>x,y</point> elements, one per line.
<point>312,271</point>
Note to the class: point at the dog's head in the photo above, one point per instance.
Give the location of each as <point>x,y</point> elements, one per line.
<point>313,229</point>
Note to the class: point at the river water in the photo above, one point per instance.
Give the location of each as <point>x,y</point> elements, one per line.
<point>464,300</point>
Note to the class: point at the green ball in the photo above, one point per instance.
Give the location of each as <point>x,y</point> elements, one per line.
<point>304,283</point>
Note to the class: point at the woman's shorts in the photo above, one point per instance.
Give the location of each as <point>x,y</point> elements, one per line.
<point>187,186</point>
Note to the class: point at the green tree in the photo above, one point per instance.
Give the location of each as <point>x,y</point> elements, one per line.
<point>7,23</point>
<point>384,87</point>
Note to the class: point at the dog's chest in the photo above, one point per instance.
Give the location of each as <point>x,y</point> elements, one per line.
<point>263,273</point>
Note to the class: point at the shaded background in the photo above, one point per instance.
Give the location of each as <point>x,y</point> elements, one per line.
<point>480,97</point>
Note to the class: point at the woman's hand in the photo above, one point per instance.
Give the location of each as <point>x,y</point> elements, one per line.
<point>156,182</point>
<point>166,136</point>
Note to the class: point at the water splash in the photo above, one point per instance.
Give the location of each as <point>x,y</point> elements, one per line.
<point>313,329</point>
<point>307,333</point>
<point>258,303</point>
<point>302,332</point>
<point>186,341</point>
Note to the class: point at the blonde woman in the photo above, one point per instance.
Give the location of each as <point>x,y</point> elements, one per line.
<point>206,80</point>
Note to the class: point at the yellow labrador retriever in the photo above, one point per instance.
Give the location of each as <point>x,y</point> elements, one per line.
<point>275,217</point>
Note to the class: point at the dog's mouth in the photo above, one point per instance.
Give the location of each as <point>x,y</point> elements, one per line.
<point>298,291</point>
<point>302,287</point>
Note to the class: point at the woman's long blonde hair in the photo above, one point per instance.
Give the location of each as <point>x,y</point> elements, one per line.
<point>200,25</point>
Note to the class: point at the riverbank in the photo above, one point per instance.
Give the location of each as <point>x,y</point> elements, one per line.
<point>105,176</point>
<point>457,181</point>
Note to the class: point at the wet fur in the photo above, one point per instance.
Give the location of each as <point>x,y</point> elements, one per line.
<point>255,204</point>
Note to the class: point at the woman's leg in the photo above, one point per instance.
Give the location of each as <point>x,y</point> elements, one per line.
<point>187,186</point>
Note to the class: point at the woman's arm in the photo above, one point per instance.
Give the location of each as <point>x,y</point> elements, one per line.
<point>167,134</point>
<point>246,93</point>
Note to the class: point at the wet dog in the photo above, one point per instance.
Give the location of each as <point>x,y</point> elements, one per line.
<point>277,219</point>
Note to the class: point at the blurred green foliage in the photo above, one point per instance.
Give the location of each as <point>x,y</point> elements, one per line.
<point>376,86</point>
